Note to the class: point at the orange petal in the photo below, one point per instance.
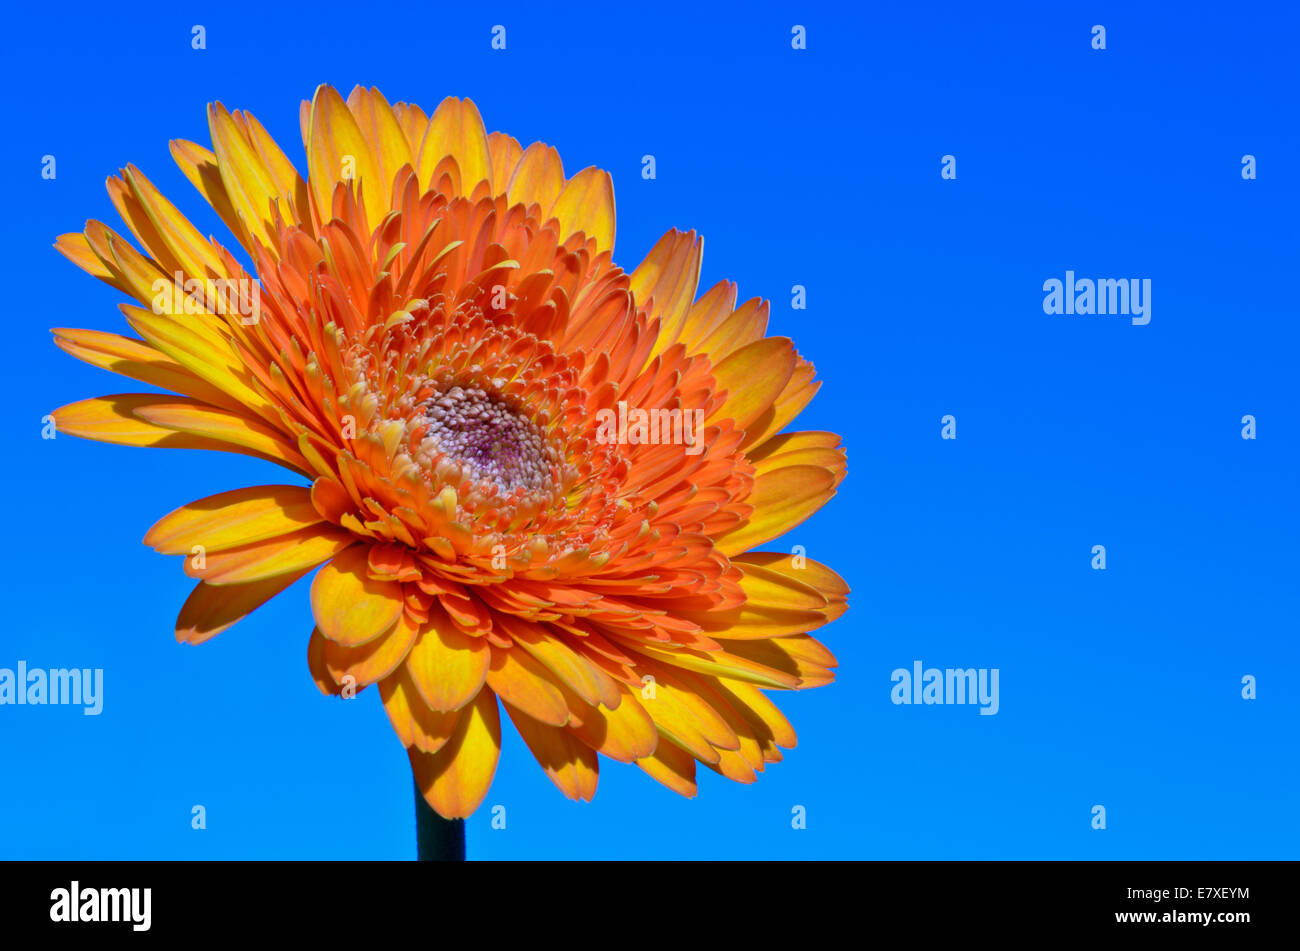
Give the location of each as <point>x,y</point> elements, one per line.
<point>171,236</point>
<point>797,394</point>
<point>351,608</point>
<point>296,552</point>
<point>800,655</point>
<point>672,766</point>
<point>193,342</point>
<point>757,705</point>
<point>249,186</point>
<point>775,604</point>
<point>139,361</point>
<point>234,518</point>
<point>374,661</point>
<point>382,131</point>
<point>685,717</point>
<point>573,766</point>
<point>448,667</point>
<point>792,442</point>
<point>320,673</point>
<point>414,124</point>
<point>113,419</point>
<point>200,167</point>
<point>743,326</point>
<point>538,177</point>
<point>287,182</point>
<point>209,610</point>
<point>625,733</point>
<point>456,129</point>
<point>782,499</point>
<point>722,663</point>
<point>586,204</point>
<point>799,568</point>
<point>76,248</point>
<point>416,725</point>
<point>222,426</point>
<point>566,665</point>
<point>832,460</point>
<point>670,275</point>
<point>753,377</point>
<point>339,153</point>
<point>520,680</point>
<point>455,779</point>
<point>505,152</point>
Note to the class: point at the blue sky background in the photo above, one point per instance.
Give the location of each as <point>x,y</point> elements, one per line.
<point>819,167</point>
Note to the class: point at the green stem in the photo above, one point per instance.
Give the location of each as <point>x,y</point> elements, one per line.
<point>437,839</point>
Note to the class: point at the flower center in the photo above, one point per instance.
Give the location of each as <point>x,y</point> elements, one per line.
<point>488,440</point>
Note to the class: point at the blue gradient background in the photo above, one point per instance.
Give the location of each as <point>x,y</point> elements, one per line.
<point>818,168</point>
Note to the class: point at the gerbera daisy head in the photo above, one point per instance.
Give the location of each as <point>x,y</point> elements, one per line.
<point>531,480</point>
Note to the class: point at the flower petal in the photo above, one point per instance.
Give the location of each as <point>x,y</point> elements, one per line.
<point>520,680</point>
<point>586,204</point>
<point>455,779</point>
<point>416,725</point>
<point>225,427</point>
<point>234,518</point>
<point>572,765</point>
<point>200,167</point>
<point>293,553</point>
<point>339,153</point>
<point>448,667</point>
<point>350,608</point>
<point>456,129</point>
<point>113,419</point>
<point>538,177</point>
<point>625,733</point>
<point>753,378</point>
<point>665,283</point>
<point>674,767</point>
<point>756,705</point>
<point>781,499</point>
<point>139,361</point>
<point>192,341</point>
<point>209,610</point>
<point>249,185</point>
<point>505,153</point>
<point>381,130</point>
<point>374,661</point>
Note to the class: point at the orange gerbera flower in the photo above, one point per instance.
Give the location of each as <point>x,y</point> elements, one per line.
<point>532,477</point>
